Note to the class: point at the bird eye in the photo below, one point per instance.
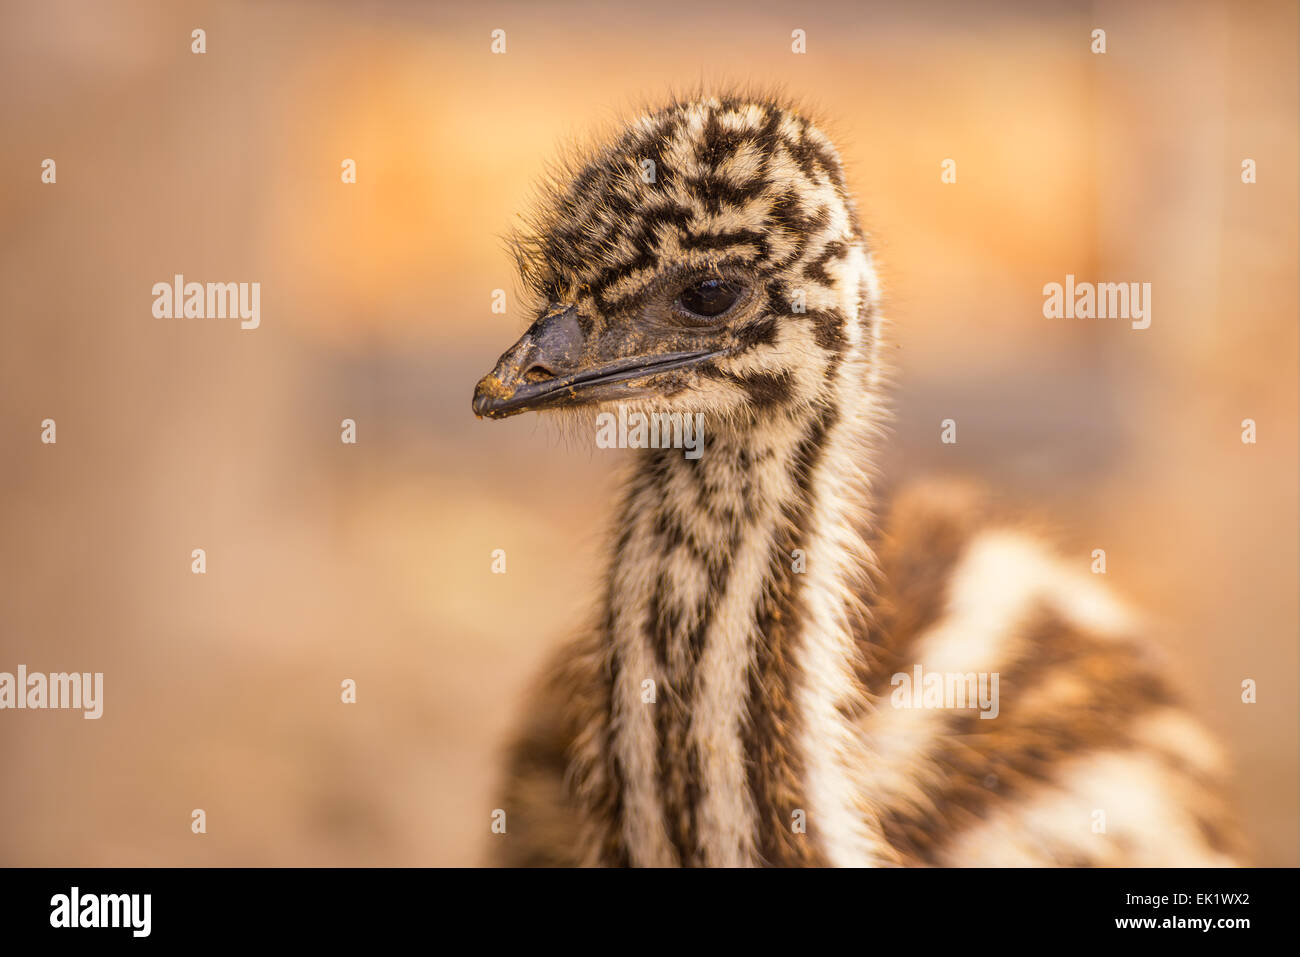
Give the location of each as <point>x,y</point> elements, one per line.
<point>710,298</point>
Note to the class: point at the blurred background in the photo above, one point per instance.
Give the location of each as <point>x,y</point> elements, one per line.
<point>327,561</point>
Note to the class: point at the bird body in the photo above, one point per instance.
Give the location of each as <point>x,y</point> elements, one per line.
<point>740,699</point>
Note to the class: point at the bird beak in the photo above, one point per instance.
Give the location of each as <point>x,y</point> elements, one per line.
<point>546,369</point>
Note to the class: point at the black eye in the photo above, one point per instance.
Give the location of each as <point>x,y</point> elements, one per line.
<point>709,298</point>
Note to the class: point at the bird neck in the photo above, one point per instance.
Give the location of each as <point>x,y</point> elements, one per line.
<point>730,629</point>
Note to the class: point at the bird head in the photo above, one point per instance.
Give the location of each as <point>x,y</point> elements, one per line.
<point>707,259</point>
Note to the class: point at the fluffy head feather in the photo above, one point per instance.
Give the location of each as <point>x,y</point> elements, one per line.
<point>737,196</point>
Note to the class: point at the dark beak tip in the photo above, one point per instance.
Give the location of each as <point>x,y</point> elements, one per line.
<point>482,404</point>
<point>550,348</point>
<point>489,395</point>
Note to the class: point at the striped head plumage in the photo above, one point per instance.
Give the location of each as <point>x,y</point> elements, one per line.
<point>707,259</point>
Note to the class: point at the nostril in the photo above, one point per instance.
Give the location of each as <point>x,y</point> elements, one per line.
<point>539,373</point>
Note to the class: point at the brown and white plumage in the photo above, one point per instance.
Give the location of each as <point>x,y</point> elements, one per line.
<point>752,585</point>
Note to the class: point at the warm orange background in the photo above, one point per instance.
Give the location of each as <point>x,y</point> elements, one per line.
<point>372,561</point>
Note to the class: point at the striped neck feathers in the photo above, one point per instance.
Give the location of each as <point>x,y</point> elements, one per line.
<point>729,622</point>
